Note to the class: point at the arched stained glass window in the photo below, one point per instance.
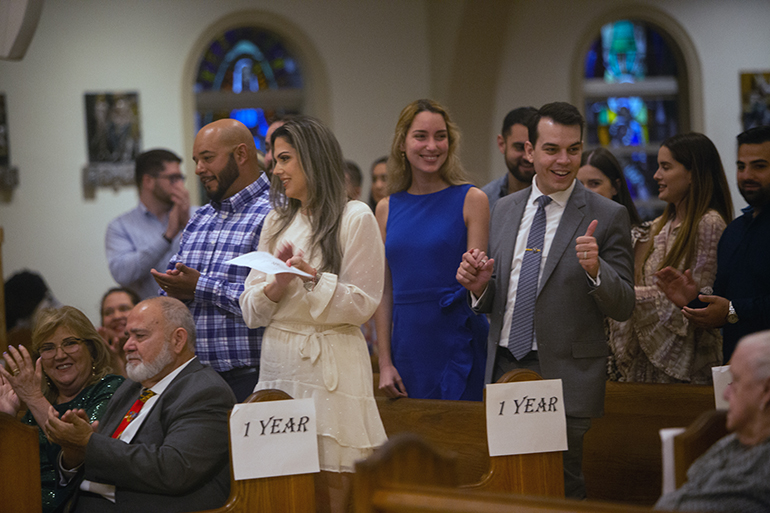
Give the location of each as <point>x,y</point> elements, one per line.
<point>634,100</point>
<point>248,74</point>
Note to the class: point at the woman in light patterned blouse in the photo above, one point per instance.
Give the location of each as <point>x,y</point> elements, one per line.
<point>658,344</point>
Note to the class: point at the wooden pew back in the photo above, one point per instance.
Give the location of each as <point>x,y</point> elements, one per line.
<point>696,439</point>
<point>19,467</point>
<point>622,455</point>
<point>407,475</point>
<point>285,494</point>
<point>460,427</point>
<point>622,452</point>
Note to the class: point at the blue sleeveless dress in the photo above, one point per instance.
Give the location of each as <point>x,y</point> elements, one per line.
<point>438,344</point>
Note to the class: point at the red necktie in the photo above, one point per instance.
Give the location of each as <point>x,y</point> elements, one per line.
<point>133,412</point>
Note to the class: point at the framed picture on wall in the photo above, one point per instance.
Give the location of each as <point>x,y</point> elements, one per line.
<point>9,177</point>
<point>755,99</point>
<point>113,138</point>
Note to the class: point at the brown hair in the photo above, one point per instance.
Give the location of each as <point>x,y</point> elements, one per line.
<point>708,191</point>
<point>603,160</point>
<point>320,157</point>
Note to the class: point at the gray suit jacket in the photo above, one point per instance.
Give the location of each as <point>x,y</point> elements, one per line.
<point>569,310</point>
<point>178,460</point>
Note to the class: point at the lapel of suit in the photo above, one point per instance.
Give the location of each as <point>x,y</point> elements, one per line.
<point>123,400</point>
<point>113,422</point>
<point>566,233</point>
<point>510,231</point>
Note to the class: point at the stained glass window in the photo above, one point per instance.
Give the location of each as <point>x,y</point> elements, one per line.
<point>253,64</point>
<point>632,101</point>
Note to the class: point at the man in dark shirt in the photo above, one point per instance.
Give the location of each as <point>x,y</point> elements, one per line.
<point>741,298</point>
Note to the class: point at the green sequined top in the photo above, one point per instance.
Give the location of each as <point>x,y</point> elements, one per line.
<point>94,400</point>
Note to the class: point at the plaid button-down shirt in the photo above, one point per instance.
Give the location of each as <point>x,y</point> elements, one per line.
<point>217,233</point>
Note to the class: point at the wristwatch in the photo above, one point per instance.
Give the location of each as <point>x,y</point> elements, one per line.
<point>310,284</point>
<point>732,317</point>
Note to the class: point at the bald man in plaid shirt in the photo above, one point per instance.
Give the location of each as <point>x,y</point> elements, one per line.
<point>228,226</point>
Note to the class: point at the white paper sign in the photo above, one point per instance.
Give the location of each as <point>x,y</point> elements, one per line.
<point>722,379</point>
<point>667,447</point>
<point>274,438</point>
<point>265,262</point>
<point>526,417</point>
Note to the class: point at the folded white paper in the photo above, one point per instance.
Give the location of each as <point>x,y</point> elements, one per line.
<point>266,263</point>
<point>667,447</point>
<point>722,380</point>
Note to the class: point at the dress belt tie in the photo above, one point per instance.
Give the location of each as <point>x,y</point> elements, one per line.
<point>314,346</point>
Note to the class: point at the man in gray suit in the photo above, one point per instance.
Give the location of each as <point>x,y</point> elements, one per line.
<point>162,450</point>
<point>583,272</point>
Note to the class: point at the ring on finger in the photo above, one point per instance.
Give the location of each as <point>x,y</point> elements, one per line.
<point>585,255</point>
<point>15,372</point>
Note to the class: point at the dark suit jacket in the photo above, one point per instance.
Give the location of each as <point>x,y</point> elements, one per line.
<point>178,460</point>
<point>569,310</point>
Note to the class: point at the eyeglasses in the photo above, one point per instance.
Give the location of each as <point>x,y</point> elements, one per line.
<point>173,178</point>
<point>69,345</point>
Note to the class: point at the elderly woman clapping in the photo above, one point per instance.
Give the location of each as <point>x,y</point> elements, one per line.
<point>734,475</point>
<point>71,372</point>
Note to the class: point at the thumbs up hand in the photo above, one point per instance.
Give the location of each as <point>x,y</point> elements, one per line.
<point>588,251</point>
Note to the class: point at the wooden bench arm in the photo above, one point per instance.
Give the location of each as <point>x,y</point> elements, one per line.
<point>695,440</point>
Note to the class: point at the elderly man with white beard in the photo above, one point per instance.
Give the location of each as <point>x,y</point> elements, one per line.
<point>162,444</point>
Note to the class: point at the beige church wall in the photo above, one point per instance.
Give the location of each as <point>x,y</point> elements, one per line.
<point>727,38</point>
<point>374,56</point>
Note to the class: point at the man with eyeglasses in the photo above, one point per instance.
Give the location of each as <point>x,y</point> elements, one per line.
<point>148,236</point>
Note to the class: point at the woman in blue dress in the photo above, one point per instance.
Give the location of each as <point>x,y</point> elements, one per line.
<point>431,345</point>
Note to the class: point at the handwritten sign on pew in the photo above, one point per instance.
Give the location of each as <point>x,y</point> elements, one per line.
<point>274,438</point>
<point>526,417</point>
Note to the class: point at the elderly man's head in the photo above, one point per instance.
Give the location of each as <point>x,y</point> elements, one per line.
<point>161,337</point>
<point>749,392</point>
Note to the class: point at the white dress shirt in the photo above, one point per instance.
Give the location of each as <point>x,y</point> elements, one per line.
<point>106,490</point>
<point>553,212</point>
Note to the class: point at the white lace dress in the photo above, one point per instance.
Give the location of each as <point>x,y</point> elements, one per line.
<point>313,346</point>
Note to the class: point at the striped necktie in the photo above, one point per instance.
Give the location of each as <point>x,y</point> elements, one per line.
<point>523,322</point>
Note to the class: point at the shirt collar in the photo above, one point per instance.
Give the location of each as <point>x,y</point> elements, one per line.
<point>163,384</point>
<point>245,196</point>
<point>560,197</point>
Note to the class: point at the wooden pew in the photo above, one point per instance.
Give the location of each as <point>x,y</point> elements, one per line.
<point>622,452</point>
<point>19,467</point>
<point>407,475</point>
<point>460,427</point>
<point>284,494</point>
<point>696,439</point>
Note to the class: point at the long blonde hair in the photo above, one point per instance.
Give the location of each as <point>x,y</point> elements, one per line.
<point>399,169</point>
<point>708,191</point>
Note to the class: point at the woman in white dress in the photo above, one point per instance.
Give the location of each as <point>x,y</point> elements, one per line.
<point>313,346</point>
